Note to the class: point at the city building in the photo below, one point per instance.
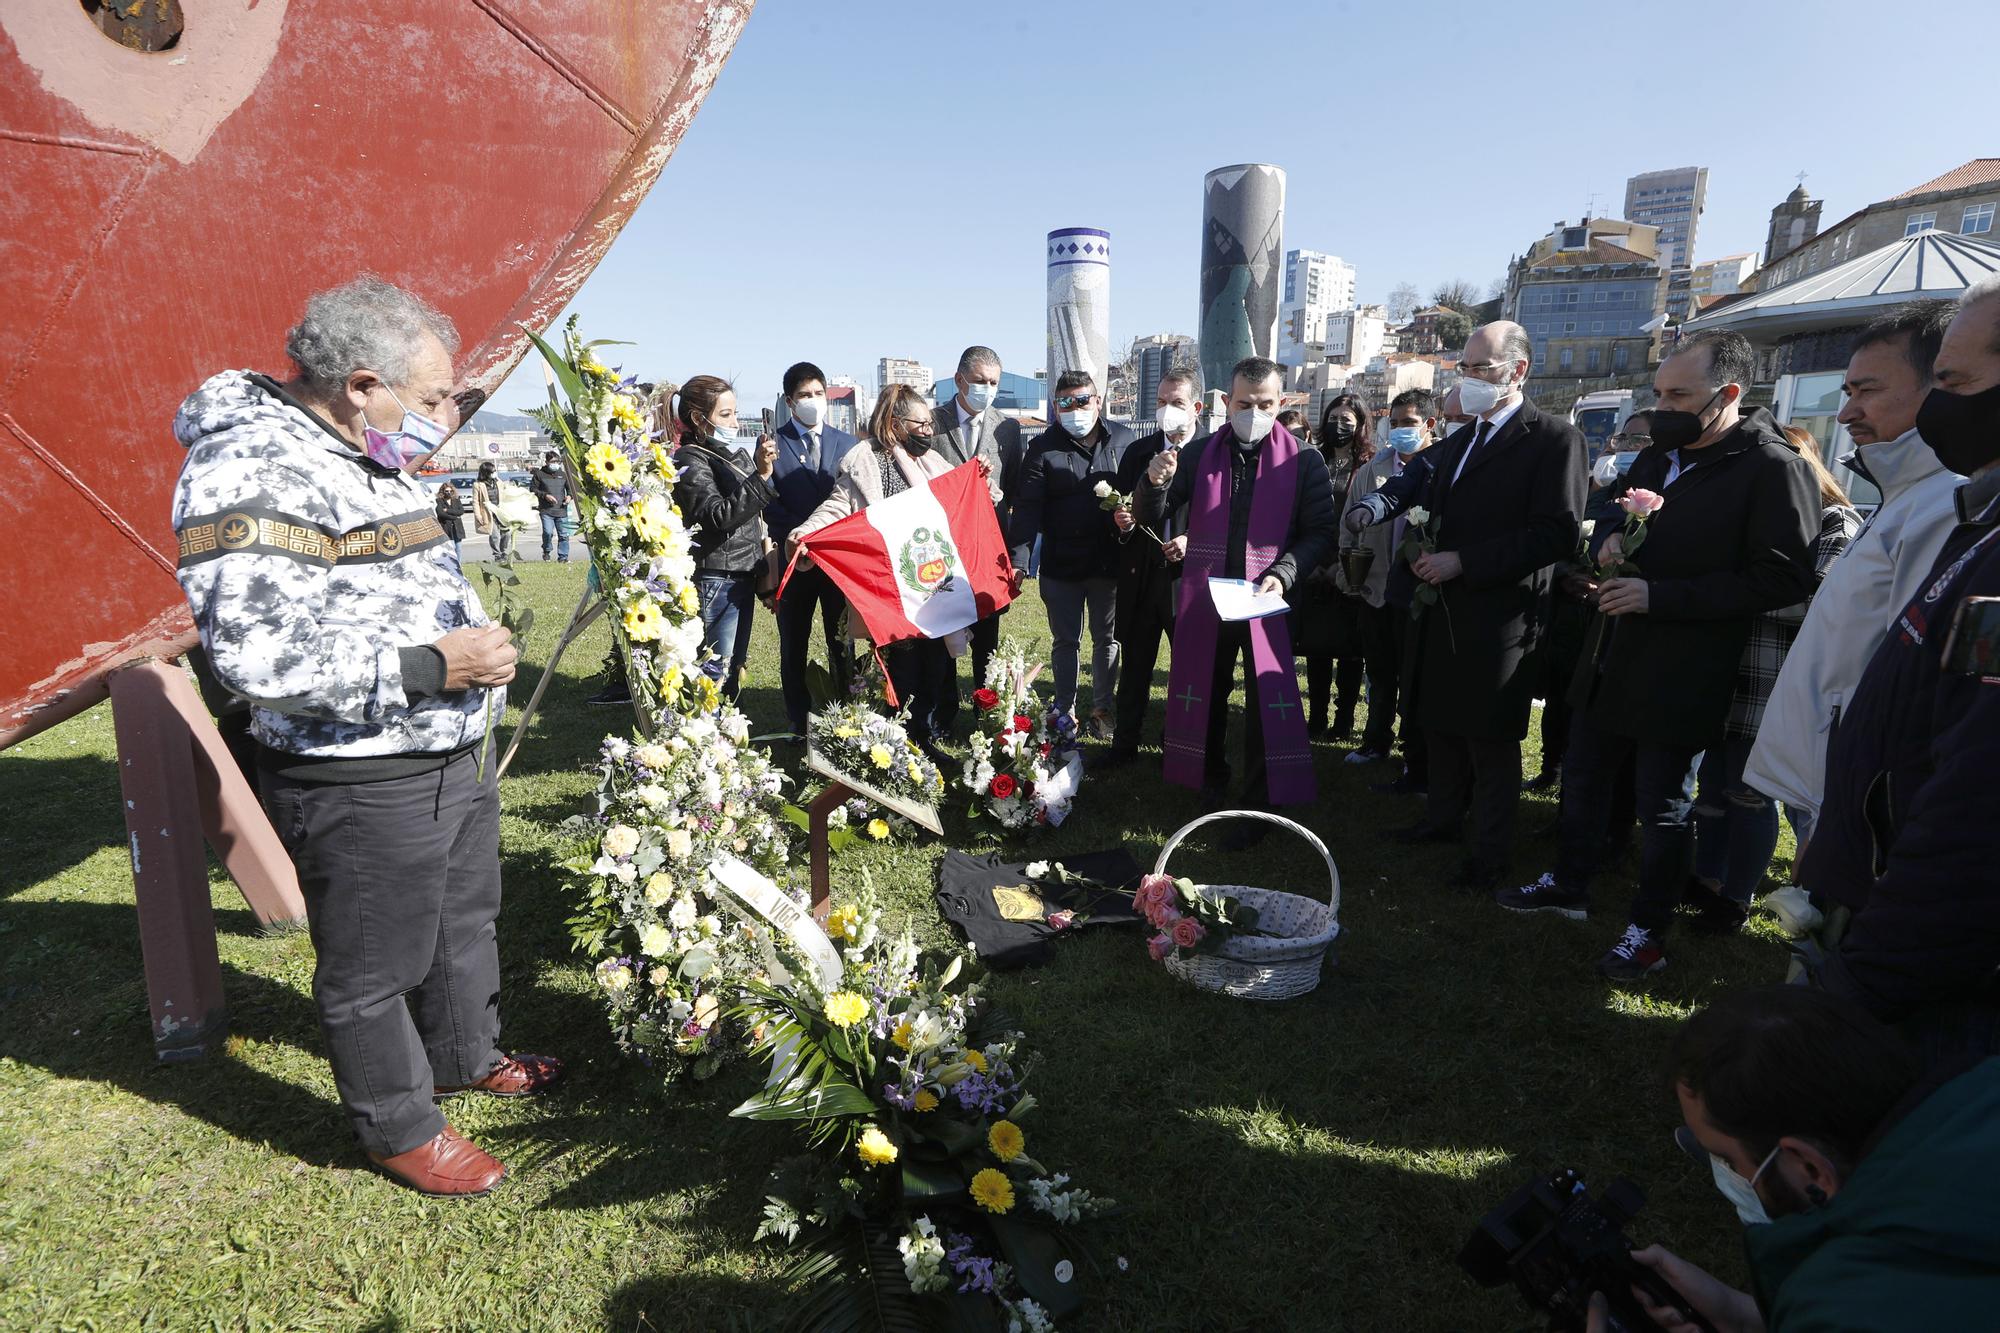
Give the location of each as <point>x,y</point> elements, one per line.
<point>1021,397</point>
<point>1153,356</point>
<point>1589,295</point>
<point>901,370</point>
<point>511,441</point>
<point>1672,202</point>
<point>1354,337</point>
<point>1718,277</point>
<point>1793,222</point>
<point>843,405</point>
<point>1320,382</point>
<point>1316,286</point>
<point>1961,202</point>
<point>1387,376</point>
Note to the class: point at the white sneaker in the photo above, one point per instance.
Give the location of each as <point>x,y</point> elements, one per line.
<point>1797,917</point>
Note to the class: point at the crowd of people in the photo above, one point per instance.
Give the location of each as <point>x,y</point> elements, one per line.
<point>1714,634</point>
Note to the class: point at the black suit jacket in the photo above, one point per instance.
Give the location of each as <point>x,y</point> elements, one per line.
<point>1511,516</point>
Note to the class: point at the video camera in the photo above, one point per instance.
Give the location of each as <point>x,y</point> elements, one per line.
<point>1558,1245</point>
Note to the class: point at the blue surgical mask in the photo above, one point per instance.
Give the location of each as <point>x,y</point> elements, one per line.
<point>1406,440</point>
<point>415,440</point>
<point>1741,1192</point>
<point>980,396</point>
<point>1078,422</point>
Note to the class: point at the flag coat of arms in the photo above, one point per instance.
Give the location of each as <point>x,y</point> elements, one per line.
<point>921,564</point>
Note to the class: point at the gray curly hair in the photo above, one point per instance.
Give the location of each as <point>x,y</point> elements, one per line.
<point>366,324</point>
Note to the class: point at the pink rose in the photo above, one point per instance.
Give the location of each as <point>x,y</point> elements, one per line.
<point>1640,503</point>
<point>1188,932</point>
<point>1160,946</point>
<point>1165,917</point>
<point>1061,920</point>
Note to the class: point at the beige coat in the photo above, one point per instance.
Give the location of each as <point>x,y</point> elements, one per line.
<point>860,482</point>
<point>860,485</point>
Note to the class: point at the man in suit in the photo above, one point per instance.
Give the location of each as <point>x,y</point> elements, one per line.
<point>809,454</point>
<point>969,427</point>
<point>1732,536</point>
<point>1057,502</point>
<point>1146,578</point>
<point>1503,500</point>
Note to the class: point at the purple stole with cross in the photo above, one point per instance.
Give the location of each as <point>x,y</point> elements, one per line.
<point>1287,759</point>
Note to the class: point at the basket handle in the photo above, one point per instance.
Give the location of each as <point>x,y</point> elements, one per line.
<point>1180,835</point>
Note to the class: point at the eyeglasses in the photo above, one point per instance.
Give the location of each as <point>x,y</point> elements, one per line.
<point>915,423</point>
<point>1069,402</point>
<point>1484,368</point>
<point>1633,441</point>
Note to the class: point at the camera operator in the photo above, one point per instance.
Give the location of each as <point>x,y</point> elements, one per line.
<point>1863,1184</point>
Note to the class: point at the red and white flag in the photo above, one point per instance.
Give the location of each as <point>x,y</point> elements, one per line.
<point>921,564</point>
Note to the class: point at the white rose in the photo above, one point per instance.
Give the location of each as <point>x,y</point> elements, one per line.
<point>1101,489</point>
<point>653,756</point>
<point>659,889</point>
<point>654,941</point>
<point>1037,869</point>
<point>679,844</point>
<point>1418,515</point>
<point>682,913</point>
<point>1589,526</point>
<point>654,796</point>
<point>621,840</point>
<point>616,979</point>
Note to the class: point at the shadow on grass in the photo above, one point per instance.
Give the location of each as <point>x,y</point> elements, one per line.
<point>697,1302</point>
<point>60,812</point>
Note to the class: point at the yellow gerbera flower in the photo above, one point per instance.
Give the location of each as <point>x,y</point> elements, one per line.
<point>843,922</point>
<point>844,1008</point>
<point>1006,1140</point>
<point>992,1191</point>
<point>607,466</point>
<point>901,1036</point>
<point>881,756</point>
<point>976,1060</point>
<point>878,829</point>
<point>643,621</point>
<point>875,1148</point>
<point>649,520</point>
<point>589,365</point>
<point>926,1100</point>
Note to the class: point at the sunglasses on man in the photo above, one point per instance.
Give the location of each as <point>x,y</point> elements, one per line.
<point>1070,402</point>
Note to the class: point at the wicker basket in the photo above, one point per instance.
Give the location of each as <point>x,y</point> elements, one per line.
<point>1299,933</point>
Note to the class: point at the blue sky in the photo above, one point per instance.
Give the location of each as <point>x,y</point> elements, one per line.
<point>875,179</point>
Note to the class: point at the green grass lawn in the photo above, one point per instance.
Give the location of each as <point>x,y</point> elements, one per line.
<point>1309,1165</point>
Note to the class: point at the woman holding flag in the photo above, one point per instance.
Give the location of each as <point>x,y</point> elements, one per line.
<point>896,456</point>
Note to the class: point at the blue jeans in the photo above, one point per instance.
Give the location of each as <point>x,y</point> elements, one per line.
<point>725,598</point>
<point>1735,826</point>
<point>556,529</point>
<point>1663,782</point>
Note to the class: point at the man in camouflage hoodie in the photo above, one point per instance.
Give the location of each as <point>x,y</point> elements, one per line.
<point>329,597</point>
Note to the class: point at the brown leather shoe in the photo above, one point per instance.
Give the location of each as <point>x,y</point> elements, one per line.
<point>513,1076</point>
<point>450,1166</point>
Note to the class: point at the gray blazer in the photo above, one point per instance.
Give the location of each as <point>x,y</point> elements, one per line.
<point>995,438</point>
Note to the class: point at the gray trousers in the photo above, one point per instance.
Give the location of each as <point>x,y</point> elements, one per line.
<point>1066,600</point>
<point>402,884</point>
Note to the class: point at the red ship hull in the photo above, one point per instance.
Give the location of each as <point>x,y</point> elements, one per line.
<point>164,214</point>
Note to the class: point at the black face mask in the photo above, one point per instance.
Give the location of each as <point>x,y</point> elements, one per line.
<point>1678,430</point>
<point>1962,429</point>
<point>1338,433</point>
<point>916,445</point>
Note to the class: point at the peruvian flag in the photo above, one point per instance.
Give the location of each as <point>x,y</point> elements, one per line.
<point>921,564</point>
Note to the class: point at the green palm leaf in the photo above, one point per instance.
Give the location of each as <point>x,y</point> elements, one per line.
<point>854,1284</point>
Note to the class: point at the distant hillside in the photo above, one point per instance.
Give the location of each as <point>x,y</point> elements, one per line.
<point>502,421</point>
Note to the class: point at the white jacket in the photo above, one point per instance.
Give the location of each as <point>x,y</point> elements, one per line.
<point>1864,590</point>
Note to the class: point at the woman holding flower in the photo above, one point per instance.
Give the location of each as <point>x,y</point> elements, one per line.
<point>722,503</point>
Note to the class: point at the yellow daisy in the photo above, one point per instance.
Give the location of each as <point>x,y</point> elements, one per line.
<point>1006,1140</point>
<point>878,829</point>
<point>643,621</point>
<point>901,1036</point>
<point>880,755</point>
<point>976,1060</point>
<point>607,466</point>
<point>926,1100</point>
<point>992,1191</point>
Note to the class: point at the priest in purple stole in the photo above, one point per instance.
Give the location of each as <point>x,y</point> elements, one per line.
<point>1259,507</point>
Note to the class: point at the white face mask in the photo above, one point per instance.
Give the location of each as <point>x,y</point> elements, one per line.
<point>1175,419</point>
<point>1479,397</point>
<point>810,412</point>
<point>1741,1192</point>
<point>1079,422</point>
<point>979,397</point>
<point>1252,424</point>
